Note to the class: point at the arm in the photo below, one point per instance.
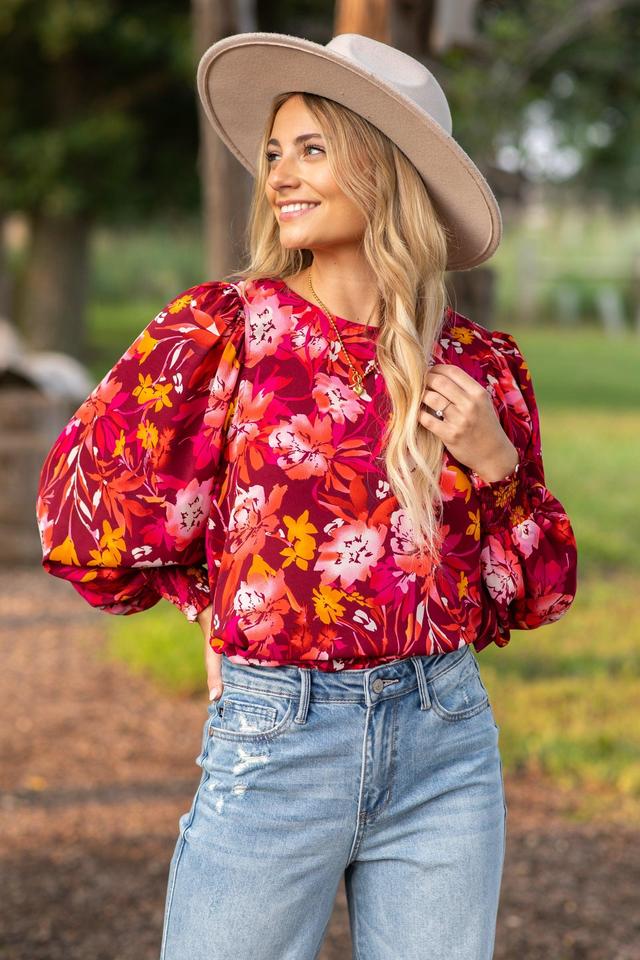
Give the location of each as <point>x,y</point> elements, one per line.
<point>125,491</point>
<point>529,553</point>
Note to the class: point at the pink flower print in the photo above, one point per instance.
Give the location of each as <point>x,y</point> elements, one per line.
<point>405,553</point>
<point>221,389</point>
<point>187,517</point>
<point>306,337</point>
<point>547,608</point>
<point>246,425</point>
<point>527,535</point>
<point>352,552</point>
<point>502,571</point>
<point>270,322</point>
<point>305,449</point>
<point>253,517</point>
<point>261,602</point>
<point>333,396</point>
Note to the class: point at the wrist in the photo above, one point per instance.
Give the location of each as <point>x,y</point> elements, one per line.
<point>204,614</point>
<point>501,469</point>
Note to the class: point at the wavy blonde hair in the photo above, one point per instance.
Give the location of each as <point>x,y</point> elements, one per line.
<point>405,243</point>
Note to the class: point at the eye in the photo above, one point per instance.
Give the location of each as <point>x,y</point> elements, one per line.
<point>308,146</point>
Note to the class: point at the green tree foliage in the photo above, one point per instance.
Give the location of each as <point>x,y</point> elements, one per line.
<point>580,60</point>
<point>97,108</point>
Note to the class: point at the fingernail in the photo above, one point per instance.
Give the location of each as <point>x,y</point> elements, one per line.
<point>214,693</point>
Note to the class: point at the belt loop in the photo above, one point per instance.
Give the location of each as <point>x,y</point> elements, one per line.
<point>305,692</point>
<point>425,699</point>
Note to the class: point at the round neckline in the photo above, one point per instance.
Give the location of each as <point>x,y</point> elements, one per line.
<point>340,321</point>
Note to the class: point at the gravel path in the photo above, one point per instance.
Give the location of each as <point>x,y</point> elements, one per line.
<point>97,768</point>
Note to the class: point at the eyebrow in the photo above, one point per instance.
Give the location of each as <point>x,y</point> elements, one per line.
<point>300,139</point>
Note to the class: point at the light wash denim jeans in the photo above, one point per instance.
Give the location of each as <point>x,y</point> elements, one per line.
<point>391,776</point>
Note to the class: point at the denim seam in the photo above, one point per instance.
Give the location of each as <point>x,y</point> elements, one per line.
<point>183,843</point>
<point>360,816</point>
<point>450,717</point>
<point>238,736</point>
<point>371,816</point>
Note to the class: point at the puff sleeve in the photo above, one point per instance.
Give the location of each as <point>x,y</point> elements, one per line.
<point>528,549</point>
<point>124,493</point>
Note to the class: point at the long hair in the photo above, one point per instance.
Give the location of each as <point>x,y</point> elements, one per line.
<point>405,243</point>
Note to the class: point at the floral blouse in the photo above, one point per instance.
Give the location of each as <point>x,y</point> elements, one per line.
<point>226,460</point>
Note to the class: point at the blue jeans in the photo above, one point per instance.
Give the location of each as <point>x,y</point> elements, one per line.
<point>391,776</point>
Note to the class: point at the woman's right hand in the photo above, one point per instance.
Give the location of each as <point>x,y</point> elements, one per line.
<point>213,660</point>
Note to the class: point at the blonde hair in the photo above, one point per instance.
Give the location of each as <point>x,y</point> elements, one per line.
<point>405,243</point>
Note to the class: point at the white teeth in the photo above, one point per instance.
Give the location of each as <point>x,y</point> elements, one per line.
<point>288,207</point>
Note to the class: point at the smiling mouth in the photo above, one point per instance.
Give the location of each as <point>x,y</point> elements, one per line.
<point>291,214</point>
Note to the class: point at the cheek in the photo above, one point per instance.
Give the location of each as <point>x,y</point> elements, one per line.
<point>344,215</point>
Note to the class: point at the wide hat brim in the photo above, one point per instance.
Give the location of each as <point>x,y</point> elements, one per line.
<point>239,76</point>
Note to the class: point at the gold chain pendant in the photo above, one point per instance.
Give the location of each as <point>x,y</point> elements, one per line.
<point>357,387</point>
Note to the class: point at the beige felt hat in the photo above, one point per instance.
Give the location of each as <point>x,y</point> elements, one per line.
<point>239,76</point>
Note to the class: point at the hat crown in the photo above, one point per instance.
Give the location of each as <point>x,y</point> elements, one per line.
<point>397,69</point>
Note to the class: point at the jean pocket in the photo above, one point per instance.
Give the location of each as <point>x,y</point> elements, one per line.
<point>249,714</point>
<point>457,692</point>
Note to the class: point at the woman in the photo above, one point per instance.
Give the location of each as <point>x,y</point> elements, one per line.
<point>359,467</point>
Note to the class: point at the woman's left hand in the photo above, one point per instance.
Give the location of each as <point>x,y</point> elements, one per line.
<point>471,430</point>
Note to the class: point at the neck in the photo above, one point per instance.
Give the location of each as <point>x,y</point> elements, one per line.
<point>346,286</point>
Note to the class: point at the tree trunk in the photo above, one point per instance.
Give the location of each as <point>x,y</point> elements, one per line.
<point>226,185</point>
<point>368,17</point>
<point>411,26</point>
<point>6,304</point>
<point>53,287</point>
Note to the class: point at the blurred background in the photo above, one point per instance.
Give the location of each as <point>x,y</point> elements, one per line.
<point>114,197</point>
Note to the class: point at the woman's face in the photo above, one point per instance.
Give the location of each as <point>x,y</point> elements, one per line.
<point>299,171</point>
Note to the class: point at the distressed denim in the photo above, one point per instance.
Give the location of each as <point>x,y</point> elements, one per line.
<point>390,776</point>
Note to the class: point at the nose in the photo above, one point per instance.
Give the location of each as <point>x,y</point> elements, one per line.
<point>283,173</point>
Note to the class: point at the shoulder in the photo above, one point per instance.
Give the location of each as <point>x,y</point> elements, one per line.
<point>467,342</point>
<point>219,298</point>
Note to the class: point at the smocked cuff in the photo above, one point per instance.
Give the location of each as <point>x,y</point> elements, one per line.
<point>186,587</point>
<point>502,502</point>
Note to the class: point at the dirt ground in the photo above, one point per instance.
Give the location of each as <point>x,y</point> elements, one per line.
<point>96,769</point>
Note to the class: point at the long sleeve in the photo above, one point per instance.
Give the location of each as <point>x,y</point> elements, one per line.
<point>528,548</point>
<point>124,493</point>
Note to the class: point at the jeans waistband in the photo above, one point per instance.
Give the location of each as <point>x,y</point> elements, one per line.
<point>366,686</point>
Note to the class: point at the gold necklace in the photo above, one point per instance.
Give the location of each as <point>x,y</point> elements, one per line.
<point>357,387</point>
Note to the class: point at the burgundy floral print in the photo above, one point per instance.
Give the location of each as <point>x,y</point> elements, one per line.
<point>226,460</point>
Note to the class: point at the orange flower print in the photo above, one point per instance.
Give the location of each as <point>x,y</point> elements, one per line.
<point>162,396</point>
<point>180,303</point>
<point>65,552</point>
<point>326,601</point>
<point>111,543</point>
<point>118,450</point>
<point>473,530</point>
<point>145,391</point>
<point>299,534</point>
<point>462,334</point>
<point>144,345</point>
<point>148,433</point>
<point>463,585</point>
